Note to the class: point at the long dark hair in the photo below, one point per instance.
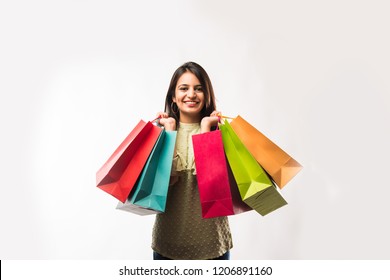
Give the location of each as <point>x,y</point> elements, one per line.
<point>171,107</point>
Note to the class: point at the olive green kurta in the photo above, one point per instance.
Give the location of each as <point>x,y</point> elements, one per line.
<point>181,232</point>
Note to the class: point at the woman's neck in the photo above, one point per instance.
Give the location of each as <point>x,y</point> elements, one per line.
<point>189,119</point>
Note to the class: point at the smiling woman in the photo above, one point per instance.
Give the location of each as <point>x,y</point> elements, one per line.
<point>181,232</point>
<point>189,98</point>
<point>190,83</point>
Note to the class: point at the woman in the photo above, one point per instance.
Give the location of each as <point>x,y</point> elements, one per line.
<point>181,232</point>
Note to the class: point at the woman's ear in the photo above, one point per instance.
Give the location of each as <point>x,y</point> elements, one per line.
<point>174,99</point>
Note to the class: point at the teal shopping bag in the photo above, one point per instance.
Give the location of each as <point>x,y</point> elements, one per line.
<point>255,187</point>
<point>150,193</point>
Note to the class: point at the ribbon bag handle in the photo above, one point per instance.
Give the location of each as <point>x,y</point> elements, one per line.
<point>220,117</point>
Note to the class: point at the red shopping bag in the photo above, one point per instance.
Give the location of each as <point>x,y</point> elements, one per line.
<point>212,175</point>
<point>119,174</point>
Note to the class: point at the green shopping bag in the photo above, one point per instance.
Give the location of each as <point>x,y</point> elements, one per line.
<point>150,194</point>
<point>255,187</point>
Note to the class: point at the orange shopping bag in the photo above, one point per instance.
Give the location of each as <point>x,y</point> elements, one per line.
<point>278,164</point>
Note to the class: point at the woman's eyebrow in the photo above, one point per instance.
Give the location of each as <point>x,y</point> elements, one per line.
<point>199,85</point>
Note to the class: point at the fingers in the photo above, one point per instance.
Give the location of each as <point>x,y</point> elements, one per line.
<point>208,122</point>
<point>162,115</point>
<point>215,113</point>
<point>214,119</point>
<point>168,123</point>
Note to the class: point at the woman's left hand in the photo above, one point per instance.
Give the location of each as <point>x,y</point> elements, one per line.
<point>208,122</point>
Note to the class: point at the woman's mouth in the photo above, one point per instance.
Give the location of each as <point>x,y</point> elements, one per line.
<point>191,103</point>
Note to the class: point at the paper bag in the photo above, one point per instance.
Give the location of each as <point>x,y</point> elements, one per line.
<point>150,193</point>
<point>212,175</point>
<point>255,187</point>
<point>278,164</point>
<point>121,171</point>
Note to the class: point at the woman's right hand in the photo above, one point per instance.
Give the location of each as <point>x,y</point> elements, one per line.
<point>169,123</point>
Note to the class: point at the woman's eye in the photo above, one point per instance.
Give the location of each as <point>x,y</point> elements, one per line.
<point>199,89</point>
<point>183,88</point>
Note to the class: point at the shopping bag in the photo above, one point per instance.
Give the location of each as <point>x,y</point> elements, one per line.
<point>278,164</point>
<point>239,206</point>
<point>212,175</point>
<point>150,193</point>
<point>255,187</point>
<point>120,172</point>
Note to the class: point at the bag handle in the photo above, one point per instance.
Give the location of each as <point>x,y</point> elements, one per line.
<point>220,117</point>
<point>156,123</point>
<point>219,121</point>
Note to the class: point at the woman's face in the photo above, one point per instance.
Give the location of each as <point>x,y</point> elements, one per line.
<point>189,98</point>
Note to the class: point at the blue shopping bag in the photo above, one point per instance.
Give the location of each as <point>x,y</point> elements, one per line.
<point>151,190</point>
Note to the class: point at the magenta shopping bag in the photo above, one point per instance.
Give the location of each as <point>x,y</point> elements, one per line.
<point>212,175</point>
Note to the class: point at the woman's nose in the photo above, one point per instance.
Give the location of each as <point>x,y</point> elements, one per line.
<point>191,93</point>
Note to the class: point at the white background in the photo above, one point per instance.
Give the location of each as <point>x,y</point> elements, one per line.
<point>76,76</point>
